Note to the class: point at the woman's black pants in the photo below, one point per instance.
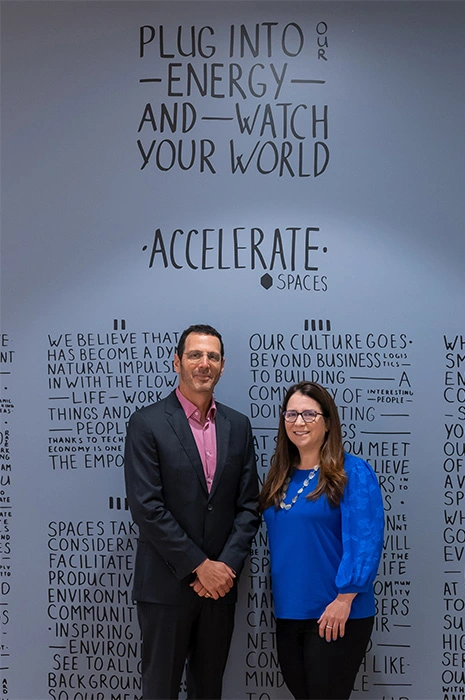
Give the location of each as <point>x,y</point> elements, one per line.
<point>314,669</point>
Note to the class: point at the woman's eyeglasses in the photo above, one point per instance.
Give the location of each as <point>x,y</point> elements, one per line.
<point>308,416</point>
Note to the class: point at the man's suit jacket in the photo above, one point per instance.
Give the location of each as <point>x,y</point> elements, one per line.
<point>180,523</point>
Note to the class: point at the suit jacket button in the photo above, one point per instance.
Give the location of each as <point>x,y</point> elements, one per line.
<point>210,507</point>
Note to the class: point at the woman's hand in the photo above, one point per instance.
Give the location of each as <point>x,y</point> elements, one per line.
<point>333,621</point>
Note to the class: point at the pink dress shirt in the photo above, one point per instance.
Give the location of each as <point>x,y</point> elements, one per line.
<point>204,435</point>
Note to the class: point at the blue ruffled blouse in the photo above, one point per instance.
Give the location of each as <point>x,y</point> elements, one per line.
<point>318,551</point>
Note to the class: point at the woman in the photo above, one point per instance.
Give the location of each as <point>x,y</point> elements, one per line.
<point>324,513</point>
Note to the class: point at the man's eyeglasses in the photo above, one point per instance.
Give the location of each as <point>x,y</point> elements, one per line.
<point>308,416</point>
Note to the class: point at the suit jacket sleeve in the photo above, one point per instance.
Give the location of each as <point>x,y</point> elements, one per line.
<point>144,490</point>
<point>247,519</point>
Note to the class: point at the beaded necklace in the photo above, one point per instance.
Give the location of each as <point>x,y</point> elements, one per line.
<point>307,480</point>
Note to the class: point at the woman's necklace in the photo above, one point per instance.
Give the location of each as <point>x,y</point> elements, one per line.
<point>307,480</point>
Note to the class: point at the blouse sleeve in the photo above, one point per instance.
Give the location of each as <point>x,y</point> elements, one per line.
<point>362,515</point>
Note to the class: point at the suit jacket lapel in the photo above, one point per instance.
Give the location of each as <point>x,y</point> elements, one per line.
<point>223,427</point>
<point>177,419</point>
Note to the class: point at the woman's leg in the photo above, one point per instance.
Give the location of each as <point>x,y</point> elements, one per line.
<point>289,643</point>
<point>331,667</point>
<point>314,669</point>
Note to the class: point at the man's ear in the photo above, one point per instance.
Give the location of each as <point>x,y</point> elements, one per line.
<point>176,363</point>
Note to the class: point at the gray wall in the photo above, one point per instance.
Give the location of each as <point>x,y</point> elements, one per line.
<point>325,244</point>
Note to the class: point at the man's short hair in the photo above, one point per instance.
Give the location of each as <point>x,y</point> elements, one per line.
<point>203,329</point>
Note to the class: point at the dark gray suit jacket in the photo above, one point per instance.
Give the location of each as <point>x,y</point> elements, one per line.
<point>180,523</point>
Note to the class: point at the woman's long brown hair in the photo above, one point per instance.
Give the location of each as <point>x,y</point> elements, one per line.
<point>332,477</point>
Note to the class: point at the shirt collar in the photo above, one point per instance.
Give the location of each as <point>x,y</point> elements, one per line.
<point>191,409</point>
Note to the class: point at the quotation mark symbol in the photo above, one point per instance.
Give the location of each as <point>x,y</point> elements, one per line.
<point>117,503</point>
<point>317,325</point>
<point>115,324</point>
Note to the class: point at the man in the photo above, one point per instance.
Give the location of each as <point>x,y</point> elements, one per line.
<point>192,488</point>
